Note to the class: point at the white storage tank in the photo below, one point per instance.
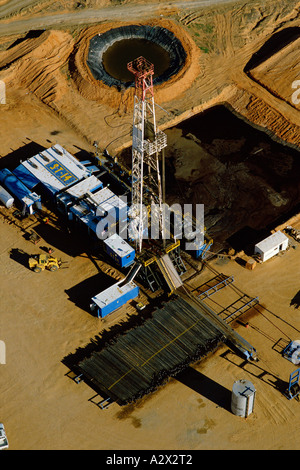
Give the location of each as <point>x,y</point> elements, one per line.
<point>242,398</point>
<point>6,198</point>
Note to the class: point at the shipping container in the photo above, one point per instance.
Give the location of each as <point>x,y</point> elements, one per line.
<point>113,298</point>
<point>118,249</point>
<point>271,246</point>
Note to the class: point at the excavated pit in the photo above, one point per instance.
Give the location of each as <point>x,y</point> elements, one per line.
<point>110,52</point>
<point>247,182</point>
<point>272,46</point>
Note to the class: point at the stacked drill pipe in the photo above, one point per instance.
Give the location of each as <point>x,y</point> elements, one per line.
<point>142,359</point>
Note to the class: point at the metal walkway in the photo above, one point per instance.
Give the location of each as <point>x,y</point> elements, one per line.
<point>237,308</point>
<point>212,286</point>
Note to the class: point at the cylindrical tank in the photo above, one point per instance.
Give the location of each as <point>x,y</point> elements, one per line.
<point>242,398</point>
<point>6,198</point>
<point>295,352</point>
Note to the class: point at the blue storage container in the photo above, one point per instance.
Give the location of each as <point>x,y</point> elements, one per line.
<point>201,251</point>
<point>113,298</point>
<point>119,250</point>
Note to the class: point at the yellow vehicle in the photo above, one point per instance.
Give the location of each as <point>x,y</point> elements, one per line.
<point>41,262</point>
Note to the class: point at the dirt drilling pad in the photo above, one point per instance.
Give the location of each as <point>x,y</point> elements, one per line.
<point>48,101</point>
<point>42,406</point>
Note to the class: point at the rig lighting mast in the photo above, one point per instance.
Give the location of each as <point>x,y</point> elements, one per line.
<point>147,143</point>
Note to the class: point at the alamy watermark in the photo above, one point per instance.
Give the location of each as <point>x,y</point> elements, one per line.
<point>2,352</point>
<point>296,94</point>
<point>184,222</point>
<point>2,92</point>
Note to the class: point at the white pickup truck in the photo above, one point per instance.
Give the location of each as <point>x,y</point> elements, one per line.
<point>3,438</point>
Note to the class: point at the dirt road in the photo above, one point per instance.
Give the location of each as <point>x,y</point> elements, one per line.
<point>14,6</point>
<point>92,15</point>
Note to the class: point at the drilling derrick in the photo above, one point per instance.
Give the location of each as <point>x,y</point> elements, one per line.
<point>147,143</point>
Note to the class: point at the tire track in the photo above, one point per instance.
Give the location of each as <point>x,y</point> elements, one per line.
<point>94,15</point>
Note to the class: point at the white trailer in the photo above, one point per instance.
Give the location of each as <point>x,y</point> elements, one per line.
<point>271,246</point>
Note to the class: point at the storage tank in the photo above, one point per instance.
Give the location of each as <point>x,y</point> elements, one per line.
<point>242,398</point>
<point>6,198</point>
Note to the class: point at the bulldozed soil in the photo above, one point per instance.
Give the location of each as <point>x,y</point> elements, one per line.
<point>219,43</point>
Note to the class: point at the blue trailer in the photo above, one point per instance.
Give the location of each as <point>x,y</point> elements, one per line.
<point>119,250</point>
<point>113,298</point>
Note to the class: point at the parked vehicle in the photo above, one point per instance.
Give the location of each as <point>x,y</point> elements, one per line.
<point>41,262</point>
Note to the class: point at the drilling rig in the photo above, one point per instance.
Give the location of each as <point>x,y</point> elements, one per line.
<point>148,180</point>
<point>147,144</point>
<point>161,261</point>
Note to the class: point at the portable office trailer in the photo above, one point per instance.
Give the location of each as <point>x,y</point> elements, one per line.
<point>271,246</point>
<point>119,250</point>
<point>114,297</point>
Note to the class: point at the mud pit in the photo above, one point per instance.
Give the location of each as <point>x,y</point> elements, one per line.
<point>243,178</point>
<point>110,52</point>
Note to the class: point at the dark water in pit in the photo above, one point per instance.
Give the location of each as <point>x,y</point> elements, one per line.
<point>248,183</point>
<point>116,58</point>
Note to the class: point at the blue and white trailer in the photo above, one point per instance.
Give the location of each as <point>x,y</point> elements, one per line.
<point>54,168</point>
<point>113,298</point>
<point>119,250</point>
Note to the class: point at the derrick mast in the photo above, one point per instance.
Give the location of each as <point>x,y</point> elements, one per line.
<point>147,143</point>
